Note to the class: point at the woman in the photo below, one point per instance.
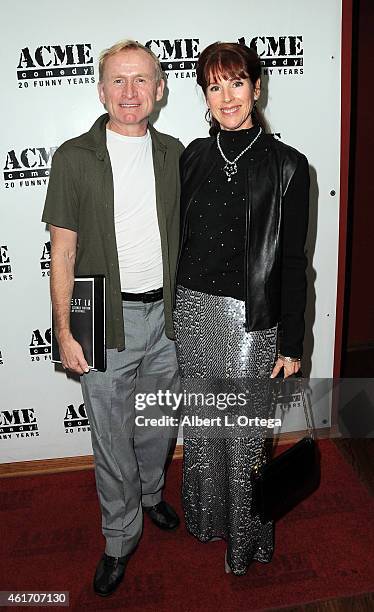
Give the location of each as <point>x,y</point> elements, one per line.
<point>241,289</point>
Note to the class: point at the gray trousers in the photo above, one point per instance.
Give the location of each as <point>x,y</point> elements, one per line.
<point>129,458</point>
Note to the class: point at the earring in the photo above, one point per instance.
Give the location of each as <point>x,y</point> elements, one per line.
<point>208,116</point>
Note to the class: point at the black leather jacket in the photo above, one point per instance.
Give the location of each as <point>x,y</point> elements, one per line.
<point>276,227</point>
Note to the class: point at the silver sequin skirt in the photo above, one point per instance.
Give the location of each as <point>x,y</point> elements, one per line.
<point>216,354</point>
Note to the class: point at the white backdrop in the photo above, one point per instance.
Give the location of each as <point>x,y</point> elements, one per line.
<point>49,75</point>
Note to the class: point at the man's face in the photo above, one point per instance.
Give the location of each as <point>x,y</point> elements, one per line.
<point>129,91</point>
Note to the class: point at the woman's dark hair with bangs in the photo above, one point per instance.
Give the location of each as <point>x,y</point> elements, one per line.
<point>229,60</point>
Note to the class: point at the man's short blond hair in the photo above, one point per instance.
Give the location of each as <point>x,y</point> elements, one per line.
<point>125,45</point>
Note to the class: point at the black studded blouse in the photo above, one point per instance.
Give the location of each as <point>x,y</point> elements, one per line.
<point>213,258</point>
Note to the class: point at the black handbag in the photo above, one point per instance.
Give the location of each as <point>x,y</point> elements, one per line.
<point>283,482</point>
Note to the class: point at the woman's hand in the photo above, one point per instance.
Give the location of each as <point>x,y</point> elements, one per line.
<point>290,367</point>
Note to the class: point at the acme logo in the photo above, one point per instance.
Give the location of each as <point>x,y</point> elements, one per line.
<point>5,267</point>
<point>13,421</point>
<point>277,50</point>
<point>178,54</point>
<point>31,162</point>
<point>40,345</point>
<point>45,260</point>
<point>47,61</point>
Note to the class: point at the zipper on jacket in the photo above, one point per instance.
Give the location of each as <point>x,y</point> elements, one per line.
<point>248,185</point>
<point>181,244</point>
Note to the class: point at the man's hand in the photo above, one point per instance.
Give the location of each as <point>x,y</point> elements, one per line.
<point>71,354</point>
<point>290,367</point>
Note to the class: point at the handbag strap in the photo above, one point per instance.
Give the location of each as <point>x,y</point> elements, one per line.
<point>308,419</point>
<point>307,411</point>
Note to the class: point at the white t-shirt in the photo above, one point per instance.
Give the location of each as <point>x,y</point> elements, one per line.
<point>135,215</point>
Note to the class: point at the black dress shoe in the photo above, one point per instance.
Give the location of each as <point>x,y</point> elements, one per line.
<point>109,574</point>
<point>163,515</point>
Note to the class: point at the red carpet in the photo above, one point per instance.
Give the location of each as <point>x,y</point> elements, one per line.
<point>50,541</point>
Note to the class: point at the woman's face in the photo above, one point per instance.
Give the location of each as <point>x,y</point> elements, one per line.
<point>231,101</point>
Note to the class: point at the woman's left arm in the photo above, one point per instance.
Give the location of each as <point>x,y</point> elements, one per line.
<point>294,261</point>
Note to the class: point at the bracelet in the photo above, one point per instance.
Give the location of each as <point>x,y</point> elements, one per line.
<point>289,359</point>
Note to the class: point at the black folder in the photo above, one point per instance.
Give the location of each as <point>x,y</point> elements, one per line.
<point>87,321</point>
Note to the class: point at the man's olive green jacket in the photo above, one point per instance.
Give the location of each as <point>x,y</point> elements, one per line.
<point>80,198</point>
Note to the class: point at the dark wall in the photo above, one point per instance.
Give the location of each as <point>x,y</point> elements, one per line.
<point>360,256</point>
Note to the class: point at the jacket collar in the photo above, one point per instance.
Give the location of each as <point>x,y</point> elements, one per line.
<point>95,138</point>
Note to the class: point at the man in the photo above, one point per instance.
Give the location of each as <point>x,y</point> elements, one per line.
<point>113,209</point>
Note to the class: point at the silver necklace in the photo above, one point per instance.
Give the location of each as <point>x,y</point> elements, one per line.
<point>230,168</point>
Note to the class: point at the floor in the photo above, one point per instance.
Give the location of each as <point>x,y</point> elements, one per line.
<point>360,454</point>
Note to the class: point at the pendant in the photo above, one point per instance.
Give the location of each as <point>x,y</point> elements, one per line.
<point>230,170</point>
